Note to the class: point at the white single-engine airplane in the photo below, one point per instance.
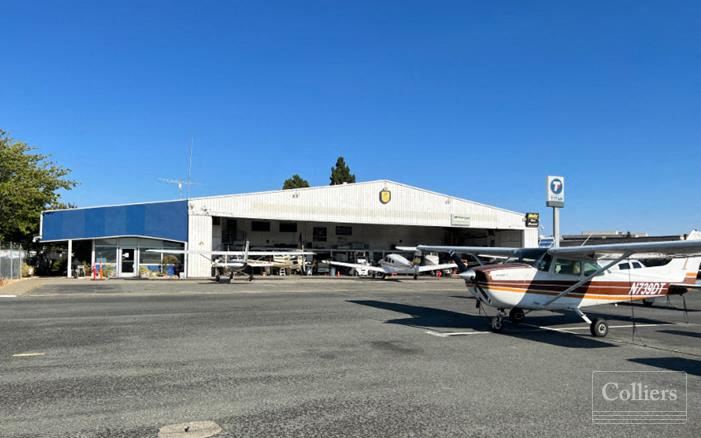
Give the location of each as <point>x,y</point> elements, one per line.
<point>395,264</point>
<point>571,279</point>
<point>230,262</point>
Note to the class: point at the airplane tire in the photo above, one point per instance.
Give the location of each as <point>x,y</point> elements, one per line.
<point>647,302</point>
<point>217,278</point>
<point>517,315</point>
<point>497,324</point>
<point>416,276</point>
<point>599,328</point>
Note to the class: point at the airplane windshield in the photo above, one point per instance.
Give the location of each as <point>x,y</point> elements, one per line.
<point>529,256</point>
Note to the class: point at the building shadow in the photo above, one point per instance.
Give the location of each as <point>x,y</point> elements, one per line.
<point>430,318</point>
<point>681,333</point>
<point>690,366</point>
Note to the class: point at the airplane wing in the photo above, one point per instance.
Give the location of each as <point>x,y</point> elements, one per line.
<point>406,248</point>
<point>239,254</point>
<point>260,264</point>
<point>426,268</point>
<point>488,251</point>
<point>357,266</point>
<point>273,253</point>
<point>677,247</point>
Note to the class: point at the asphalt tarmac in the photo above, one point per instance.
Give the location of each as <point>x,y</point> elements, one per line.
<point>320,358</point>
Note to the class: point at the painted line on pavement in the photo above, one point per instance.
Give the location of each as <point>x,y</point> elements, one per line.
<point>28,354</point>
<point>8,296</point>
<point>449,334</point>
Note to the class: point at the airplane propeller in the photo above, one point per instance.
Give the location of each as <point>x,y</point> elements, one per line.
<point>458,261</point>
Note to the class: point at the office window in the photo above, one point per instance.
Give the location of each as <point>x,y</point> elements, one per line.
<point>288,227</point>
<point>260,226</point>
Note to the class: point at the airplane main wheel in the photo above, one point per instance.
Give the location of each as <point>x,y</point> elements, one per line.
<point>516,315</point>
<point>217,277</point>
<point>648,302</point>
<point>497,324</point>
<point>599,328</point>
<point>416,276</point>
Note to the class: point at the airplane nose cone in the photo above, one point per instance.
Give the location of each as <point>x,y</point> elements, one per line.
<point>469,275</point>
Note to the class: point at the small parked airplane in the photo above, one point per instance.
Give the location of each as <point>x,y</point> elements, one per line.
<point>571,279</point>
<point>395,264</point>
<point>231,262</point>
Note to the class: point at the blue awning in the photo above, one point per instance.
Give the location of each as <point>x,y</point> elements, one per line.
<point>158,220</point>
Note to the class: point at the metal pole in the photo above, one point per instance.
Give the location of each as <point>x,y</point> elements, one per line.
<point>556,227</point>
<point>12,263</point>
<point>70,258</point>
<point>186,262</point>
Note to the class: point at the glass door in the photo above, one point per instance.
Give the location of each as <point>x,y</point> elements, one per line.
<point>128,264</point>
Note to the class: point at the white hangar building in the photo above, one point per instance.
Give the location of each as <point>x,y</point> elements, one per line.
<point>373,217</point>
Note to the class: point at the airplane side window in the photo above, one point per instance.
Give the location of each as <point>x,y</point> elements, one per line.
<point>568,267</point>
<point>623,266</point>
<point>637,265</point>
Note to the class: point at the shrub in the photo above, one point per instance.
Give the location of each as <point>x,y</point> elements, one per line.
<point>27,271</point>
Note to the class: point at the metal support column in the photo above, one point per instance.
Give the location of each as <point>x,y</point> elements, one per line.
<point>70,259</point>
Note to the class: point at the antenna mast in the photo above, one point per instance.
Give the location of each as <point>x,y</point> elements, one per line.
<point>183,184</point>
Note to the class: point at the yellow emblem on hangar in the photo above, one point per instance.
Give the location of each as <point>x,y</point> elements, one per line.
<point>385,196</point>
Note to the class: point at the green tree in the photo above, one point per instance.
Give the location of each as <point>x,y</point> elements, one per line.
<point>295,182</point>
<point>29,183</point>
<point>341,173</point>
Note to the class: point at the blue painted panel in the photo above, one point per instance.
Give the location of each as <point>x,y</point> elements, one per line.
<point>161,220</point>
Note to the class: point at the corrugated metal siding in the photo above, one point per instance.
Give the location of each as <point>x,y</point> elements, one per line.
<point>359,203</point>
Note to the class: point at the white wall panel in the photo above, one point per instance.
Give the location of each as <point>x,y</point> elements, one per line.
<point>200,239</point>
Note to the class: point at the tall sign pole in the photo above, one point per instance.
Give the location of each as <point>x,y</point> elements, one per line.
<point>555,198</point>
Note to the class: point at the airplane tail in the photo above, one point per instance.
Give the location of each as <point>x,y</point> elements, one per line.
<point>688,265</point>
<point>245,252</point>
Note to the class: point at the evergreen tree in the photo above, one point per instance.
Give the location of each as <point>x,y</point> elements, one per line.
<point>341,173</point>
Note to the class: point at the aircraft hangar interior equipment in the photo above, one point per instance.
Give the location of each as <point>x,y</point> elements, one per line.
<point>366,220</point>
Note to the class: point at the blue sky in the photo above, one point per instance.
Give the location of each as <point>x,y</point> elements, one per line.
<point>478,99</point>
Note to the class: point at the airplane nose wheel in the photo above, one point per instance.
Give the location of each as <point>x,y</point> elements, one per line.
<point>599,328</point>
<point>498,321</point>
<point>497,324</point>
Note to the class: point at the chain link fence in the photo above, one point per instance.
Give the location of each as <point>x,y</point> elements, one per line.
<point>11,261</point>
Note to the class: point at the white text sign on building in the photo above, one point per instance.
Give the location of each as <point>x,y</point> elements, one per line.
<point>459,221</point>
